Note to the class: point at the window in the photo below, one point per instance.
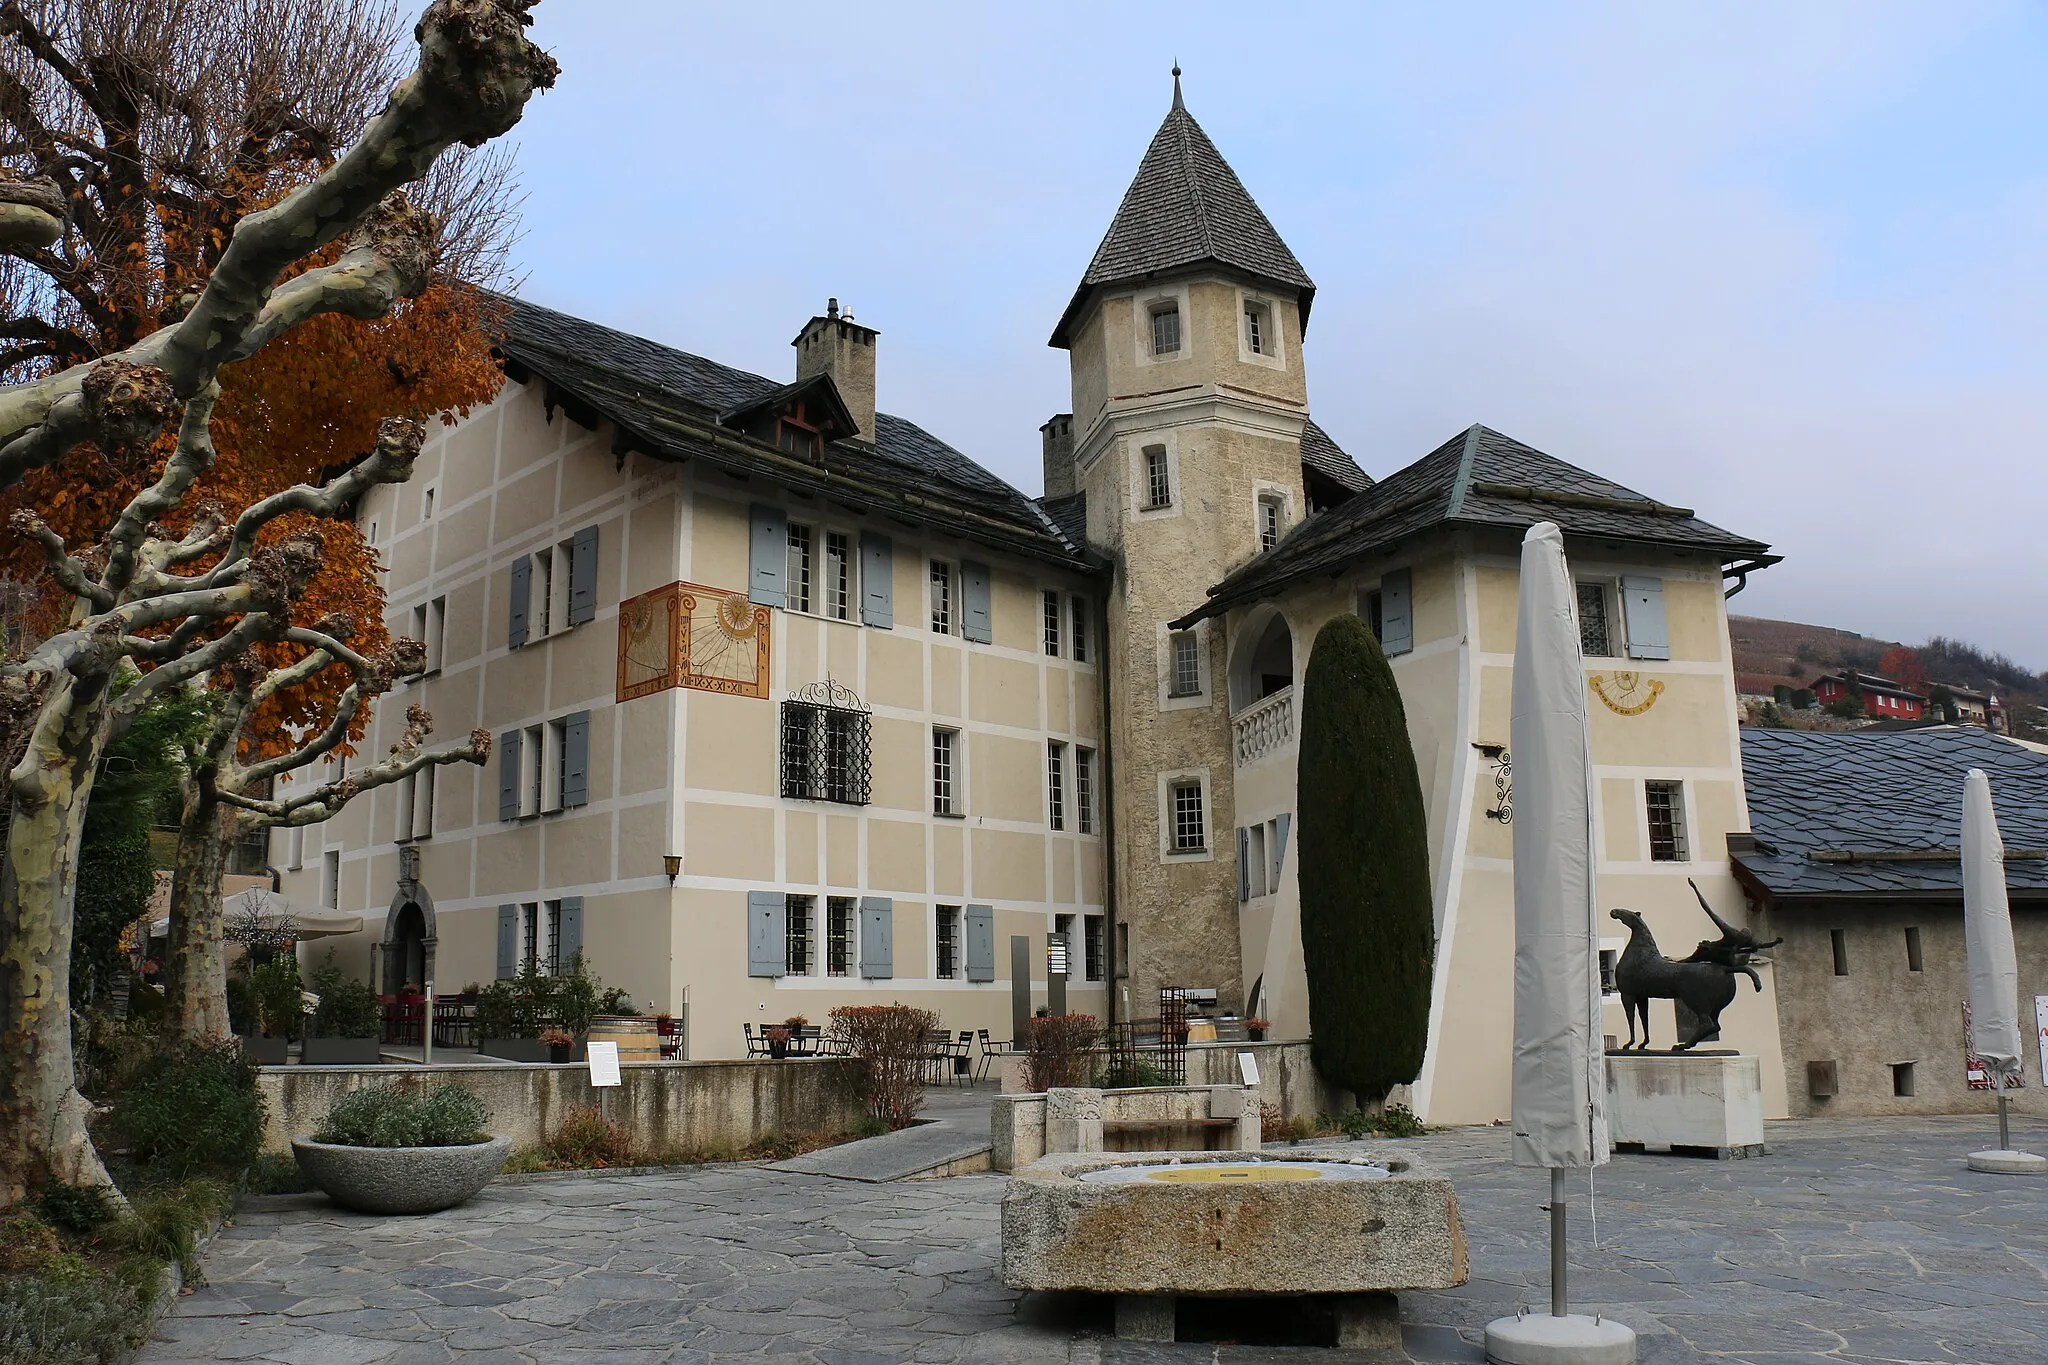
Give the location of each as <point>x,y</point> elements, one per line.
<point>1610,958</point>
<point>330,879</point>
<point>1375,611</point>
<point>825,753</point>
<point>1056,784</point>
<point>1190,831</point>
<point>1255,860</point>
<point>1186,678</point>
<point>555,781</point>
<point>419,631</point>
<point>1276,853</point>
<point>797,585</point>
<point>427,502</point>
<point>543,592</point>
<point>416,804</point>
<point>797,935</point>
<point>942,772</point>
<point>553,957</point>
<point>1093,942</point>
<point>1061,949</point>
<point>942,598</point>
<point>1166,329</point>
<point>1270,508</point>
<point>838,575</point>
<point>1914,961</point>
<point>1257,329</point>
<point>947,938</point>
<point>841,913</point>
<point>1051,604</point>
<point>1902,1080</point>
<point>437,632</point>
<point>533,769</point>
<point>1084,790</point>
<point>1666,802</point>
<point>1838,943</point>
<point>371,534</point>
<point>1595,640</point>
<point>1077,616</point>
<point>1158,478</point>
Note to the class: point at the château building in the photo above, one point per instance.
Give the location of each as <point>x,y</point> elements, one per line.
<point>887,712</point>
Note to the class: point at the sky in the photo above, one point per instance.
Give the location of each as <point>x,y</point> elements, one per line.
<point>1785,264</point>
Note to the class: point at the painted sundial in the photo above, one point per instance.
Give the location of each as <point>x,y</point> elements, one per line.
<point>692,635</point>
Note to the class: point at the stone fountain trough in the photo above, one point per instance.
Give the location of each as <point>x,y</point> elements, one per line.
<point>1150,1227</point>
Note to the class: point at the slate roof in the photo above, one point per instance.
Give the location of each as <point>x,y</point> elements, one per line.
<point>1186,207</point>
<point>1863,791</point>
<point>668,403</point>
<point>1327,458</point>
<point>1478,478</point>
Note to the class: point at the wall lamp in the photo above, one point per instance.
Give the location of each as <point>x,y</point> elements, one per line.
<point>672,863</point>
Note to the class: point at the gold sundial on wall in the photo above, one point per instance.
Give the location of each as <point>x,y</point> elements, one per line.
<point>724,644</point>
<point>1626,694</point>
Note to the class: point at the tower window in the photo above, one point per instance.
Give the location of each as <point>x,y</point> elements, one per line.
<point>1158,478</point>
<point>1190,830</point>
<point>1915,960</point>
<point>1187,665</point>
<point>1166,329</point>
<point>1666,803</point>
<point>1258,329</point>
<point>1270,509</point>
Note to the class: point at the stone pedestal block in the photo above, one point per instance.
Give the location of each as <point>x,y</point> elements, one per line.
<point>1699,1104</point>
<point>1073,1120</point>
<point>1997,1162</point>
<point>1539,1339</point>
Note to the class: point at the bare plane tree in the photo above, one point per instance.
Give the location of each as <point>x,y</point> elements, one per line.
<point>157,609</point>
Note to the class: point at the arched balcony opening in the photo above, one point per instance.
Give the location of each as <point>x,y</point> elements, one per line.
<point>1262,687</point>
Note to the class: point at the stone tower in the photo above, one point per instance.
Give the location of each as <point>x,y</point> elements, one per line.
<point>1186,440</point>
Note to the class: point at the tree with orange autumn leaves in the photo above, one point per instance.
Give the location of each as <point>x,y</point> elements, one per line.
<point>176,122</point>
<point>174,590</point>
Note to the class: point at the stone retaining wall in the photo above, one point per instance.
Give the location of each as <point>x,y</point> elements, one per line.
<point>1287,1078</point>
<point>663,1105</point>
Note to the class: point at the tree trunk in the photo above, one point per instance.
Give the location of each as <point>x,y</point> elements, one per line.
<point>196,975</point>
<point>43,1137</point>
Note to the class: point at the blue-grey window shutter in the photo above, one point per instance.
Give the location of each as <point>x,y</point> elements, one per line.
<point>570,940</point>
<point>508,775</point>
<point>583,576</point>
<point>877,581</point>
<point>769,558</point>
<point>1397,624</point>
<point>1643,608</point>
<point>976,622</point>
<point>1244,863</point>
<point>877,937</point>
<point>981,943</point>
<point>767,936</point>
<point>522,592</point>
<point>576,760</point>
<point>508,941</point>
<point>1280,824</point>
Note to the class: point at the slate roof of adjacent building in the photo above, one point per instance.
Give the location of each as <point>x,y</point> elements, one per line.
<point>1815,796</point>
<point>668,403</point>
<point>1478,478</point>
<point>1329,459</point>
<point>1186,207</point>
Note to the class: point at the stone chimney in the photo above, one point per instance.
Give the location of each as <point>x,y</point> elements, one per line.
<point>836,345</point>
<point>1057,438</point>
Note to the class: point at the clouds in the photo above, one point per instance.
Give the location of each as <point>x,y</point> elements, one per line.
<point>1779,263</point>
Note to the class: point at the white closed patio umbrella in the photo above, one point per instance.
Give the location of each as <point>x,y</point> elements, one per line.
<point>1994,967</point>
<point>1560,1087</point>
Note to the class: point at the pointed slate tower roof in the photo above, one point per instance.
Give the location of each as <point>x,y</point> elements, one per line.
<point>1186,207</point>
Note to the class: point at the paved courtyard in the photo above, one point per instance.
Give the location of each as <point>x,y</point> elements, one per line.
<point>1855,1241</point>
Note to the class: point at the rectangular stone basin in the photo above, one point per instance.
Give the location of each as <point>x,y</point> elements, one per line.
<point>1256,1232</point>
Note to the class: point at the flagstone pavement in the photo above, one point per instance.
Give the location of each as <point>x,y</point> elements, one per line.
<point>1854,1241</point>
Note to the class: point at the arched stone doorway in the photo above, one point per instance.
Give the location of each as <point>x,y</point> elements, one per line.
<point>405,957</point>
<point>409,944</point>
<point>1263,661</point>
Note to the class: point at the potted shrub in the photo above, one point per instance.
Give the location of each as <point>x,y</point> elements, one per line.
<point>1255,1028</point>
<point>510,1015</point>
<point>347,1023</point>
<point>778,1040</point>
<point>558,1041</point>
<point>396,1150</point>
<point>280,1001</point>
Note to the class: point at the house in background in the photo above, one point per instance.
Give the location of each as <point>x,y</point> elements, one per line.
<point>1854,857</point>
<point>1883,698</point>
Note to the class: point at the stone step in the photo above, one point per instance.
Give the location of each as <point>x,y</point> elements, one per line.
<point>924,1149</point>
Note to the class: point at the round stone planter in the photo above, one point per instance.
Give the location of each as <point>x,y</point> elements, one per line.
<point>401,1179</point>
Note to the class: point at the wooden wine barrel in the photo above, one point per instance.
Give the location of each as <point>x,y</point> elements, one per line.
<point>636,1036</point>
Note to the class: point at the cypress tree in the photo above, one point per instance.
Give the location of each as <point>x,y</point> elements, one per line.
<point>1368,932</point>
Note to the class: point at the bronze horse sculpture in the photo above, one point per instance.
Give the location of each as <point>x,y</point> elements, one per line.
<point>1703,983</point>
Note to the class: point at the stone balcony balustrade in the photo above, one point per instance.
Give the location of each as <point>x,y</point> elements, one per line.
<point>1265,727</point>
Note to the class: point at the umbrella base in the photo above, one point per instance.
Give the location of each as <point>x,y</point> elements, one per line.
<point>2009,1163</point>
<point>1540,1339</point>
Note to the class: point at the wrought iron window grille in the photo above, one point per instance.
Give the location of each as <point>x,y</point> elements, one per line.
<point>825,745</point>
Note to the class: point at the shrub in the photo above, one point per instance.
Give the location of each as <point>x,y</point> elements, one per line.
<point>890,1044</point>
<point>75,1208</point>
<point>192,1107</point>
<point>1060,1049</point>
<point>1272,1124</point>
<point>277,991</point>
<point>277,1173</point>
<point>166,1227</point>
<point>398,1116</point>
<point>1368,932</point>
<point>577,995</point>
<point>241,1007</point>
<point>74,1319</point>
<point>586,1139</point>
<point>348,1008</point>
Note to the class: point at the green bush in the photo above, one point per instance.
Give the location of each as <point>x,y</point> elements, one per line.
<point>79,1318</point>
<point>1368,931</point>
<point>277,990</point>
<point>241,1007</point>
<point>348,1007</point>
<point>190,1108</point>
<point>166,1227</point>
<point>74,1208</point>
<point>400,1117</point>
<point>277,1173</point>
